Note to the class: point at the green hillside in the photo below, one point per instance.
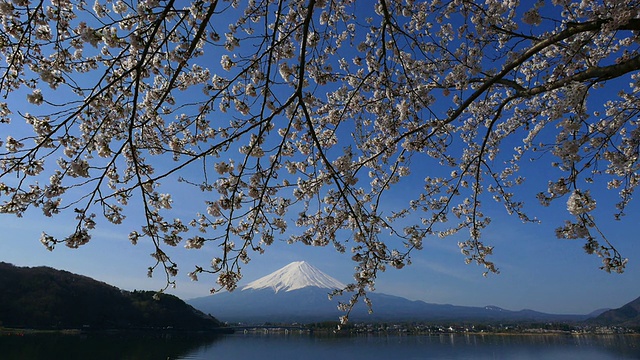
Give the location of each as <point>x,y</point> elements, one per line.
<point>628,315</point>
<point>45,298</point>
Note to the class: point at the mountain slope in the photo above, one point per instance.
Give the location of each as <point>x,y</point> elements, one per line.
<point>627,315</point>
<point>45,298</point>
<point>311,304</point>
<point>304,305</point>
<point>295,293</point>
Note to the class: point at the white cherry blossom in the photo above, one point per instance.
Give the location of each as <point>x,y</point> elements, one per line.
<point>296,120</point>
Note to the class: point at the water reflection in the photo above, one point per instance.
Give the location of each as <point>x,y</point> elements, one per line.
<point>310,347</point>
<point>519,347</point>
<point>575,346</point>
<point>104,346</point>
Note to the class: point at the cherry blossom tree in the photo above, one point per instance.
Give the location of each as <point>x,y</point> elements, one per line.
<point>297,118</point>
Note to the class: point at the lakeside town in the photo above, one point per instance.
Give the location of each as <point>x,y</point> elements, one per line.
<point>438,329</point>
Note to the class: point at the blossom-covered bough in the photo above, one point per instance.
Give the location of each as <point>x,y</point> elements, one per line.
<point>297,118</point>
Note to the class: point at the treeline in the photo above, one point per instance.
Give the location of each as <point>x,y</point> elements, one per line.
<point>45,298</point>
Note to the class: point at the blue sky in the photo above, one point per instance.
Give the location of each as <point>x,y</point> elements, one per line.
<point>538,271</point>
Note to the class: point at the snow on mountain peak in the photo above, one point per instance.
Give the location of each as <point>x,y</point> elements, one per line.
<point>296,275</point>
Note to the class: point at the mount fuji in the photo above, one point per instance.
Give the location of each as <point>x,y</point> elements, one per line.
<point>295,293</point>
<point>297,275</point>
<point>298,293</point>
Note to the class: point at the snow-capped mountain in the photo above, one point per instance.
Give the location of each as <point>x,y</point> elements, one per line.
<point>298,293</point>
<point>295,293</point>
<point>296,275</point>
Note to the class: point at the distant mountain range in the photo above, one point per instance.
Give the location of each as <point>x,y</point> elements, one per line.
<point>298,293</point>
<point>45,298</point>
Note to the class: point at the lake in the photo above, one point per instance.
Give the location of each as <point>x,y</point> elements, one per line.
<point>309,347</point>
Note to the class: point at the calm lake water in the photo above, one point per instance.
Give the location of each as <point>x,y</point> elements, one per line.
<point>309,347</point>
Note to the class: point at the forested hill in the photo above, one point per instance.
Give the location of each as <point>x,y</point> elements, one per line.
<point>45,298</point>
<point>627,315</point>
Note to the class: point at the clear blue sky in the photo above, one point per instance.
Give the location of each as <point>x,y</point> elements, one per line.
<point>538,271</point>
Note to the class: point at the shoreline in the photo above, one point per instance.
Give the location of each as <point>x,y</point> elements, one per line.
<point>31,331</point>
<point>281,331</point>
